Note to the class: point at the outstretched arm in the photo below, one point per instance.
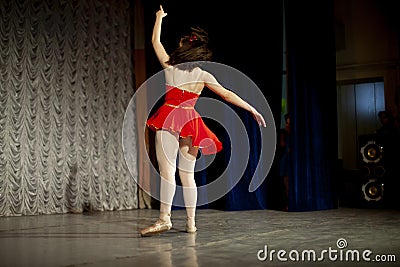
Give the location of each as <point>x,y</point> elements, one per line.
<point>156,38</point>
<point>233,98</point>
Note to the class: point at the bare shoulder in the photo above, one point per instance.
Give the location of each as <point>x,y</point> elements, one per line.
<point>207,77</point>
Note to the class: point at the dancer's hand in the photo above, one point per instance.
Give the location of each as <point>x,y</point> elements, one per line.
<point>160,13</point>
<point>258,117</point>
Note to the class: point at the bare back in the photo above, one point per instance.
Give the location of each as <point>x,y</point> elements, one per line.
<point>192,81</point>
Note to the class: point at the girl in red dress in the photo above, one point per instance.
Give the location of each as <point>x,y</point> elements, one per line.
<point>180,130</point>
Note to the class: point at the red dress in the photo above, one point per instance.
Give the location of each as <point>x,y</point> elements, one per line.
<point>177,114</point>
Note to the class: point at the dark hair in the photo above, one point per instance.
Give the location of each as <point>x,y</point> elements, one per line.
<point>382,112</point>
<point>192,49</point>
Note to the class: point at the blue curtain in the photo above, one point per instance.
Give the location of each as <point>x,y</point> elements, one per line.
<point>311,76</point>
<point>239,198</point>
<point>258,54</point>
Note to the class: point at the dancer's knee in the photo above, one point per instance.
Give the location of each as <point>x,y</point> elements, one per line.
<point>168,175</point>
<point>186,163</point>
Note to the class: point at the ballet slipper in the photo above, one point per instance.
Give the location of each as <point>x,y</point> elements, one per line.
<point>158,227</point>
<point>190,226</point>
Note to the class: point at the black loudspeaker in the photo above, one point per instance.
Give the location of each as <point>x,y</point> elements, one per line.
<point>373,190</point>
<point>371,152</point>
<point>372,167</point>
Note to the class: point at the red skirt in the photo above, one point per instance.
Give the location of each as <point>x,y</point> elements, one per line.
<point>187,122</point>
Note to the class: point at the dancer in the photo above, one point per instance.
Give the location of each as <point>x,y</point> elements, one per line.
<point>180,130</point>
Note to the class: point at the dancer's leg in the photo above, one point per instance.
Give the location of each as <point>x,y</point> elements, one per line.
<point>166,145</point>
<point>187,161</point>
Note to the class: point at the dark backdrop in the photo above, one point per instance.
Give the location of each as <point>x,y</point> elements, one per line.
<point>311,66</point>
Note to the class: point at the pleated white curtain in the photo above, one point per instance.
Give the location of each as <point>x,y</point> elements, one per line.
<point>65,82</point>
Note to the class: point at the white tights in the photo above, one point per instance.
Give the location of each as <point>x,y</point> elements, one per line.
<point>168,147</point>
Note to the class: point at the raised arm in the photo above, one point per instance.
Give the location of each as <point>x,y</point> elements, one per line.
<point>156,38</point>
<point>229,96</point>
